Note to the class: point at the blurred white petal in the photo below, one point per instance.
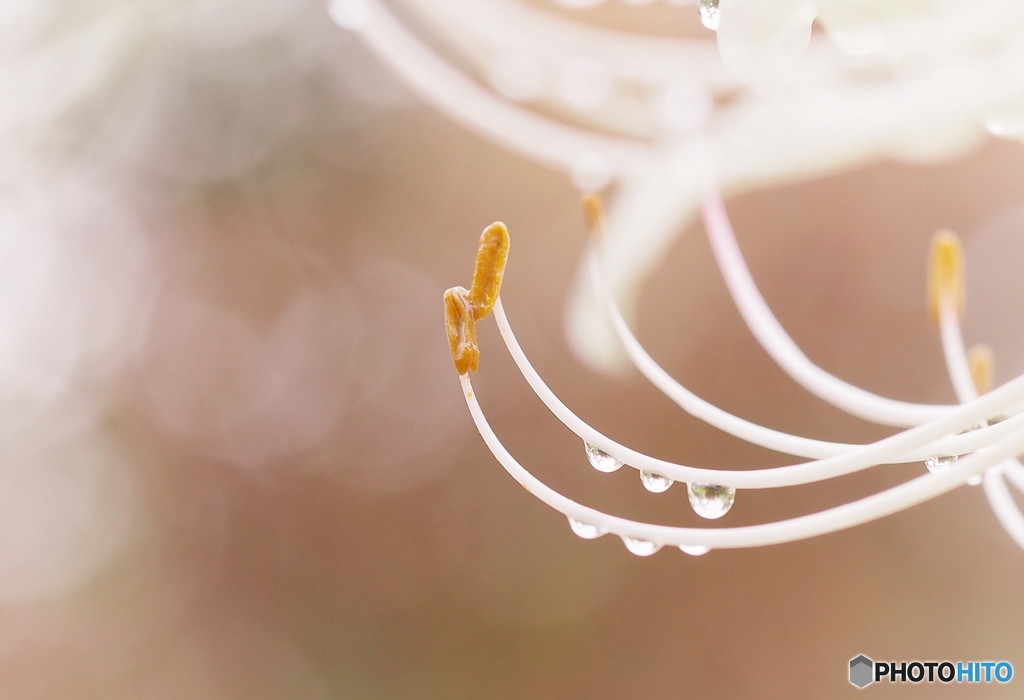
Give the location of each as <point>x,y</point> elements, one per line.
<point>759,41</point>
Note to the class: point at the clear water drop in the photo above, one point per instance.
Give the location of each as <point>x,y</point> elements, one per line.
<point>940,463</point>
<point>655,483</point>
<point>585,530</point>
<point>694,550</point>
<point>709,500</point>
<point>601,460</point>
<point>641,548</point>
<point>708,10</point>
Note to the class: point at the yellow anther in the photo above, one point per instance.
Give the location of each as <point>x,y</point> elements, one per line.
<point>463,308</point>
<point>461,326</point>
<point>490,268</point>
<point>945,274</point>
<point>982,362</point>
<point>593,212</point>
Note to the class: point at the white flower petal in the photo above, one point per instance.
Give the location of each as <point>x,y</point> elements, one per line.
<point>760,40</point>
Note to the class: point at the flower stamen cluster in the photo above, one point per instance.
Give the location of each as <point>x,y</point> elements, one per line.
<point>985,428</point>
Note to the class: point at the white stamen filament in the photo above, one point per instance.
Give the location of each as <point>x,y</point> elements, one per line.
<point>777,343</point>
<point>852,514</point>
<point>738,427</point>
<point>999,498</point>
<point>601,138</point>
<point>993,446</point>
<point>922,439</point>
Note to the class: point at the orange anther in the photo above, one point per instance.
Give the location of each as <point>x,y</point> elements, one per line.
<point>489,270</point>
<point>461,326</point>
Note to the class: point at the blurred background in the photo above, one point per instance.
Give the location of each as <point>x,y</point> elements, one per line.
<point>236,463</point>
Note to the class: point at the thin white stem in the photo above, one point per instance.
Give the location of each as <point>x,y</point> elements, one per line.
<point>1014,472</point>
<point>699,408</point>
<point>1003,505</point>
<point>777,343</point>
<point>998,495</point>
<point>921,440</point>
<point>851,514</point>
<point>955,353</point>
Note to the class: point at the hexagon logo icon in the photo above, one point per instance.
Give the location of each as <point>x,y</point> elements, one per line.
<point>862,671</point>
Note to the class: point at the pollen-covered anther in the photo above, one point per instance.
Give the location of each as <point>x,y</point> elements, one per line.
<point>490,269</point>
<point>593,212</point>
<point>945,274</point>
<point>982,362</point>
<point>461,326</point>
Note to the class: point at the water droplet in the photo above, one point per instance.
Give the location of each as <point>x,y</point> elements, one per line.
<point>641,548</point>
<point>655,483</point>
<point>710,501</point>
<point>585,530</point>
<point>694,550</point>
<point>940,463</point>
<point>601,460</point>
<point>708,10</point>
<point>974,480</point>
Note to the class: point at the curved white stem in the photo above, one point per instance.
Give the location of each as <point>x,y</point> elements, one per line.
<point>998,495</point>
<point>859,512</point>
<point>915,442</point>
<point>955,353</point>
<point>1014,472</point>
<point>777,343</point>
<point>1003,505</point>
<point>709,413</point>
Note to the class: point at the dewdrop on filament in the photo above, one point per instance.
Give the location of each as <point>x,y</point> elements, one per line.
<point>710,501</point>
<point>977,438</point>
<point>709,13</point>
<point>601,460</point>
<point>587,532</point>
<point>655,483</point>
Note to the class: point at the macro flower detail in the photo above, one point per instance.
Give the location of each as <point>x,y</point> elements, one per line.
<point>776,91</point>
<point>662,119</point>
<point>463,308</point>
<point>984,430</point>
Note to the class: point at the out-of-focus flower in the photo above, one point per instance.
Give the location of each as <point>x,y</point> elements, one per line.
<point>115,116</point>
<point>791,89</point>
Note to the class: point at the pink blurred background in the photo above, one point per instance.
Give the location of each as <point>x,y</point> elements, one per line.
<point>236,461</point>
